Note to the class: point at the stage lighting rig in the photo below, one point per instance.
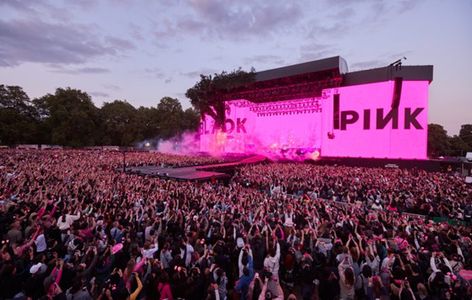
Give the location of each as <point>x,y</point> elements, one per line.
<point>397,63</point>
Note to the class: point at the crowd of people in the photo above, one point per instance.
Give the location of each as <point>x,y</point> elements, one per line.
<point>413,191</point>
<point>74,227</point>
<point>143,158</point>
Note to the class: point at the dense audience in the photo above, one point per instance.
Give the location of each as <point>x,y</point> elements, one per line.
<point>73,227</point>
<point>414,191</point>
<point>134,158</point>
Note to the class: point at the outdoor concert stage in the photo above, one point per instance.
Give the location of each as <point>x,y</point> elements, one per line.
<point>320,109</point>
<point>220,171</point>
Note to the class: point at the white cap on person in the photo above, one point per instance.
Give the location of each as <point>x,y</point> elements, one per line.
<point>38,268</point>
<point>240,242</point>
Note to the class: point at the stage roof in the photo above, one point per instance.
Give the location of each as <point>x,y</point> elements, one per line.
<point>349,78</point>
<point>310,78</point>
<point>411,73</point>
<point>327,64</point>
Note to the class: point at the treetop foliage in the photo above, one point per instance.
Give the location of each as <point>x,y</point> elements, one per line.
<point>206,94</point>
<point>69,118</point>
<point>441,144</point>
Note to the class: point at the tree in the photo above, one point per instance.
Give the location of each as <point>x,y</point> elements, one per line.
<point>190,120</point>
<point>438,142</point>
<point>120,123</point>
<point>148,118</point>
<point>18,118</point>
<point>70,118</point>
<point>466,135</point>
<point>15,98</point>
<point>457,147</point>
<point>170,117</point>
<point>207,94</point>
<point>16,128</point>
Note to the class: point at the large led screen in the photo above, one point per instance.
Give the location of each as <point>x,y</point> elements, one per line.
<point>354,121</point>
<point>274,129</point>
<point>366,125</point>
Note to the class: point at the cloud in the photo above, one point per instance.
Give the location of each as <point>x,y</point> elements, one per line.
<point>379,5</point>
<point>346,15</point>
<point>168,80</point>
<point>84,4</point>
<point>383,8</point>
<point>191,25</point>
<point>119,43</point>
<point>232,20</point>
<point>99,94</point>
<point>343,14</point>
<point>381,11</point>
<point>315,51</point>
<point>338,28</point>
<point>84,70</point>
<point>164,28</point>
<point>185,24</point>
<point>253,18</point>
<point>155,72</point>
<point>367,64</point>
<point>136,31</point>
<point>264,59</point>
<point>248,19</point>
<point>196,74</point>
<point>112,87</point>
<point>32,9</point>
<point>19,5</point>
<point>34,40</point>
<point>407,5</point>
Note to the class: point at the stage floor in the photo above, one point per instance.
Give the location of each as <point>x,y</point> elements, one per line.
<point>199,173</point>
<point>187,173</point>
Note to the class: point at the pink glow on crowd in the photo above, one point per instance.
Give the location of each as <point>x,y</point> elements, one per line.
<point>305,128</point>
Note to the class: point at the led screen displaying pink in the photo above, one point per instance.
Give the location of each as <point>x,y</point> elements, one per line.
<point>265,128</point>
<point>367,126</point>
<point>358,122</point>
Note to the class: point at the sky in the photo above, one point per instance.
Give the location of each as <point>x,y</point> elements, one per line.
<point>143,50</point>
